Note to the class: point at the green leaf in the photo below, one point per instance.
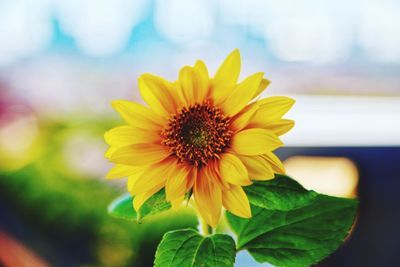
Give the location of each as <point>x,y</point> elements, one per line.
<point>155,204</point>
<point>281,193</point>
<point>122,207</point>
<point>301,236</point>
<point>187,248</point>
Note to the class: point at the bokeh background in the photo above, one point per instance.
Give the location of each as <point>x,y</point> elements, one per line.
<point>63,61</point>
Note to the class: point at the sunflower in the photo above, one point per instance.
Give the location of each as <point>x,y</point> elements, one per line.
<point>199,136</point>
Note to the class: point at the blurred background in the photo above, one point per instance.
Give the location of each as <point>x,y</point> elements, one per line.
<point>63,61</point>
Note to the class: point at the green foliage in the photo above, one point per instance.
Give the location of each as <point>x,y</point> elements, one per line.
<point>281,193</point>
<point>122,207</point>
<point>300,232</point>
<point>154,205</point>
<point>187,248</point>
<point>58,209</point>
<point>290,226</point>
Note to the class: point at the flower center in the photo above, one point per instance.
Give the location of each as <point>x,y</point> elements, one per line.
<point>197,133</point>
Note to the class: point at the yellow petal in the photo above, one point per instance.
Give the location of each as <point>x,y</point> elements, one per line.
<point>134,177</point>
<point>258,167</point>
<point>233,170</point>
<point>176,203</point>
<point>243,117</point>
<point>156,92</point>
<point>110,151</point>
<point>131,182</point>
<point>120,171</point>
<point>194,87</point>
<point>140,199</point>
<point>188,87</point>
<point>177,95</point>
<point>139,154</point>
<point>207,195</point>
<point>242,94</point>
<point>154,176</point>
<point>280,127</point>
<point>236,201</point>
<point>214,171</point>
<point>276,163</point>
<point>137,115</point>
<point>191,178</point>
<point>127,135</point>
<point>175,186</point>
<point>202,72</point>
<point>271,109</point>
<point>226,77</point>
<point>255,141</point>
<point>264,83</point>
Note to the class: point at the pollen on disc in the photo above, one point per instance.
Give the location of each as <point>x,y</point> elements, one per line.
<point>197,133</point>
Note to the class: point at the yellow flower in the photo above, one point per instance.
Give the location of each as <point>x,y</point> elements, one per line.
<point>201,135</point>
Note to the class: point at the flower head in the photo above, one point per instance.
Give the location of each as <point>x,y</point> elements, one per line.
<point>207,136</point>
